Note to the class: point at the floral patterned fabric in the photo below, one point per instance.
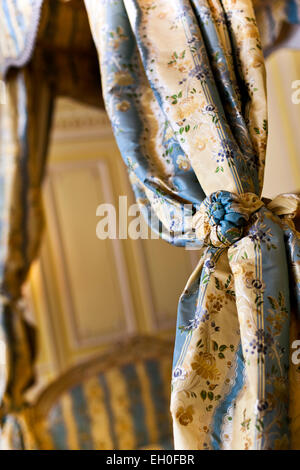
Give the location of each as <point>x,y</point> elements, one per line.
<point>19,24</point>
<point>184,86</point>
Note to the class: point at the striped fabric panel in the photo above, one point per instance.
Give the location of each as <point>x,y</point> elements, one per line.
<point>122,420</point>
<point>124,408</point>
<point>61,26</point>
<point>7,153</point>
<point>22,158</point>
<point>136,407</point>
<point>160,400</point>
<point>148,402</point>
<point>65,27</point>
<point>12,434</point>
<point>64,50</point>
<point>15,102</point>
<point>98,409</point>
<point>57,430</point>
<point>82,418</point>
<point>24,134</point>
<point>110,415</point>
<point>69,418</point>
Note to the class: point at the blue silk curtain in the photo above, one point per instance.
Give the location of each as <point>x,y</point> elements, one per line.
<point>184,87</point>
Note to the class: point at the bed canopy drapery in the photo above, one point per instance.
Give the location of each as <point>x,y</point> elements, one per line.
<point>184,86</point>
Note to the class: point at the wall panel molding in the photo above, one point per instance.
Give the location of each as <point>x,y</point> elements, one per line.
<point>100,170</point>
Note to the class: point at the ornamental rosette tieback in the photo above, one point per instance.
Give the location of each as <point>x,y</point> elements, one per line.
<point>223,216</point>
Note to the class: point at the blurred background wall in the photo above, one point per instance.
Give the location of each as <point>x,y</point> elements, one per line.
<point>283,152</point>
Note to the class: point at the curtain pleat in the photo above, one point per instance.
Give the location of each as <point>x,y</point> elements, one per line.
<point>25,131</point>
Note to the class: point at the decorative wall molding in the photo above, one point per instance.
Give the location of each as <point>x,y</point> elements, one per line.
<point>74,121</point>
<point>78,342</point>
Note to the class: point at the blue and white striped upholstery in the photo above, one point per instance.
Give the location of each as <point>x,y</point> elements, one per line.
<point>117,401</point>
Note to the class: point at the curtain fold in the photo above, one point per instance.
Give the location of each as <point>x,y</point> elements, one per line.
<point>184,87</point>
<point>25,122</point>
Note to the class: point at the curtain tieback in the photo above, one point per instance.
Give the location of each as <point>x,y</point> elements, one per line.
<point>222,216</point>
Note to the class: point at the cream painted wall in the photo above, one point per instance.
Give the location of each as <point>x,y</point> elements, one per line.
<point>283,153</point>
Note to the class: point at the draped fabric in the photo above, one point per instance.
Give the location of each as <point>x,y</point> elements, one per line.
<point>58,34</point>
<point>184,87</point>
<point>64,62</point>
<point>19,25</point>
<point>18,29</point>
<point>24,134</point>
<point>273,17</point>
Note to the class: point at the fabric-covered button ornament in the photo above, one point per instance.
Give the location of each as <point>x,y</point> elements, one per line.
<point>222,217</point>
